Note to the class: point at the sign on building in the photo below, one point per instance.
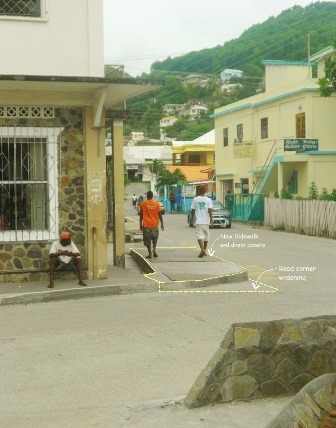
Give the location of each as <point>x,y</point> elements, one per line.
<point>189,191</point>
<point>243,149</point>
<point>300,144</point>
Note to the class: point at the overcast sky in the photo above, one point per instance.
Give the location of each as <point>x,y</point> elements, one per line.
<point>140,32</point>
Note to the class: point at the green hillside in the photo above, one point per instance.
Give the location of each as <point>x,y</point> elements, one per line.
<point>282,37</point>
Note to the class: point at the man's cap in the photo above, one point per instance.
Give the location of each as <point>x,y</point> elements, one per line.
<point>65,235</point>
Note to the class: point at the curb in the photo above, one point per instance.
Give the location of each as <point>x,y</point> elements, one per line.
<point>147,268</point>
<point>121,289</point>
<point>77,293</point>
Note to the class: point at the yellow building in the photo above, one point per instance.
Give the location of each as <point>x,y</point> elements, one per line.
<point>283,138</point>
<point>199,152</point>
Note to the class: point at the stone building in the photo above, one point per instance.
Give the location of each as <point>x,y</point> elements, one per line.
<point>55,106</point>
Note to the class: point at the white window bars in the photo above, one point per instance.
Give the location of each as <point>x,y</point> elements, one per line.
<point>28,183</point>
<point>30,8</point>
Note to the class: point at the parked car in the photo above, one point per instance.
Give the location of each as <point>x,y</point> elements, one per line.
<point>221,216</point>
<point>156,199</point>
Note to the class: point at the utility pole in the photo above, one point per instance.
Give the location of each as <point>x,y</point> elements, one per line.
<point>308,54</point>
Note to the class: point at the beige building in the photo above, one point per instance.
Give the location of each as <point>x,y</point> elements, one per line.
<point>283,138</point>
<point>52,129</point>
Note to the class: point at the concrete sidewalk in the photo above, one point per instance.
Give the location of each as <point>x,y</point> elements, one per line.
<point>175,269</point>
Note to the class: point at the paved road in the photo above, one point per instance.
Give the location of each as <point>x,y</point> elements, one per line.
<point>113,361</point>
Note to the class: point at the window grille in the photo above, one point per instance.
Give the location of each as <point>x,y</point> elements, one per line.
<point>264,127</point>
<point>20,8</point>
<point>28,186</point>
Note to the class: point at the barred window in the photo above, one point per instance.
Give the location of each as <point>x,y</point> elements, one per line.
<point>31,8</point>
<point>28,186</point>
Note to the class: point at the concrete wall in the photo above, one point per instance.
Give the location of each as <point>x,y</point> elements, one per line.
<point>267,359</point>
<point>66,41</point>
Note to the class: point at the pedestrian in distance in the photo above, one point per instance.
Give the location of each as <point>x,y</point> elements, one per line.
<point>179,202</point>
<point>201,216</point>
<point>172,201</point>
<point>64,255</point>
<point>134,201</point>
<point>150,218</point>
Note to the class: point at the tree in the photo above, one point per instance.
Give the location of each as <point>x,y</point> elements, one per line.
<point>156,167</point>
<point>167,178</point>
<point>313,191</point>
<point>328,83</point>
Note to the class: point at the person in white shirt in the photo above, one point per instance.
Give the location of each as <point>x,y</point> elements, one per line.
<point>64,255</point>
<point>201,216</point>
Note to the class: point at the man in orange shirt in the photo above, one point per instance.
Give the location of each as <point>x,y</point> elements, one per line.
<point>150,216</point>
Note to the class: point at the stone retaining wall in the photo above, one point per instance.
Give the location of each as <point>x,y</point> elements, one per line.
<point>267,359</point>
<point>313,407</point>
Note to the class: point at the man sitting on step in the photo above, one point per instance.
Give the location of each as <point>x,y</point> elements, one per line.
<point>64,255</point>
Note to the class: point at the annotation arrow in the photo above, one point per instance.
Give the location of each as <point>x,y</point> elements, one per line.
<point>255,286</point>
<point>211,252</point>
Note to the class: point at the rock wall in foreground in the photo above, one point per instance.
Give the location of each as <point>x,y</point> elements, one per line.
<point>267,359</point>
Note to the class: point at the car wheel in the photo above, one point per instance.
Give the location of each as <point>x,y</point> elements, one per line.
<point>191,225</point>
<point>228,226</point>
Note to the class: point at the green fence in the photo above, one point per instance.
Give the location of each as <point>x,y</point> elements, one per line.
<point>246,207</point>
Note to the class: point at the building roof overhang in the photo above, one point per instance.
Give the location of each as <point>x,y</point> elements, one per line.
<point>70,91</point>
<point>322,53</point>
<point>262,101</point>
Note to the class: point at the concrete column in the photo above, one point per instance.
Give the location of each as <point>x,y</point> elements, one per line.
<point>118,194</point>
<point>95,191</point>
<point>280,177</point>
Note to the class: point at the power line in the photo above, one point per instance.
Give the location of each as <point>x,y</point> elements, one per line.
<point>267,51</point>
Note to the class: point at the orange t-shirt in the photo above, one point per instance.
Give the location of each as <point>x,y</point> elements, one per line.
<point>150,209</point>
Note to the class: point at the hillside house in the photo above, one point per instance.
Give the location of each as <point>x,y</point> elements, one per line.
<point>137,136</point>
<point>192,79</point>
<point>195,111</point>
<point>168,109</point>
<point>228,73</point>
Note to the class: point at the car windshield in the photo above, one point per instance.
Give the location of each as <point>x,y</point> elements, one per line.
<point>217,206</point>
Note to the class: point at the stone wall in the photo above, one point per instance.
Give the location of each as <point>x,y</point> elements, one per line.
<point>25,262</point>
<point>267,359</point>
<point>313,407</point>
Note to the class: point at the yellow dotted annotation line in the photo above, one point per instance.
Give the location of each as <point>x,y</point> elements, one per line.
<point>148,275</point>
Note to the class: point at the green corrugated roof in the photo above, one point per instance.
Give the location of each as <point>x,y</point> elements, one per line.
<point>283,62</point>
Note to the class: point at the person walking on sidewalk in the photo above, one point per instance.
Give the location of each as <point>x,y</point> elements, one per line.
<point>201,215</point>
<point>172,201</point>
<point>64,255</point>
<point>134,201</point>
<point>150,217</point>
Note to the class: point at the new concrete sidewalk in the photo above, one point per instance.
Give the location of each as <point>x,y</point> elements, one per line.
<point>175,269</point>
